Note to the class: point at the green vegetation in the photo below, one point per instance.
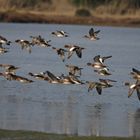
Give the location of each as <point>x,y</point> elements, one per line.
<point>29,135</point>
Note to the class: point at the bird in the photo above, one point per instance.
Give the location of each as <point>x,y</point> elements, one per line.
<point>92,34</point>
<point>106,82</point>
<point>60,33</point>
<point>92,85</point>
<point>103,71</point>
<point>20,79</point>
<point>62,79</point>
<point>61,52</point>
<point>74,69</point>
<point>40,75</point>
<point>36,39</point>
<point>74,48</point>
<point>100,59</point>
<point>75,80</point>
<point>7,76</point>
<point>25,44</point>
<point>39,41</point>
<point>135,74</point>
<point>52,78</point>
<point>97,65</point>
<point>3,50</point>
<point>9,68</point>
<point>10,76</point>
<point>4,41</point>
<point>133,87</point>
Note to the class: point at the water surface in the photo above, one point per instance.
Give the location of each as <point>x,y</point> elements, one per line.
<point>71,109</point>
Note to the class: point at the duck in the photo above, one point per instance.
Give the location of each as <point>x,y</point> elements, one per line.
<point>92,34</point>
<point>74,69</point>
<point>25,44</point>
<point>36,39</point>
<point>20,78</point>
<point>61,52</point>
<point>9,68</point>
<point>60,33</point>
<point>7,76</point>
<point>103,71</point>
<point>107,82</point>
<point>74,48</point>
<point>75,80</point>
<point>100,59</point>
<point>66,79</point>
<point>3,50</point>
<point>4,41</point>
<point>40,41</point>
<point>40,75</point>
<point>10,76</point>
<point>97,65</point>
<point>69,79</point>
<point>133,87</point>
<point>135,74</point>
<point>92,85</point>
<point>52,78</point>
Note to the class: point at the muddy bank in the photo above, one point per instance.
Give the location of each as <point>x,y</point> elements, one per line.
<point>27,17</point>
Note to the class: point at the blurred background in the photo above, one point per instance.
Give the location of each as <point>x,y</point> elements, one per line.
<point>114,9</point>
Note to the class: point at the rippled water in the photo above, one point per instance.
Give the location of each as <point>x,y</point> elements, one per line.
<point>71,109</point>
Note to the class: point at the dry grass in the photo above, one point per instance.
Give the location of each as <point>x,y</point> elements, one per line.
<point>61,11</point>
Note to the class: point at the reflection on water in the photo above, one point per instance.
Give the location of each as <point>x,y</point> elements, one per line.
<point>136,127</point>
<point>69,117</point>
<point>65,117</point>
<point>70,109</point>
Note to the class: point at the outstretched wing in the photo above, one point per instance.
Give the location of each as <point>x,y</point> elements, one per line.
<point>91,32</point>
<point>96,32</point>
<point>99,89</point>
<point>51,76</point>
<point>79,52</point>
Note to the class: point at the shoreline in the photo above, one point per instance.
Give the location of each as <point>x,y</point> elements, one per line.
<point>33,135</point>
<point>40,17</point>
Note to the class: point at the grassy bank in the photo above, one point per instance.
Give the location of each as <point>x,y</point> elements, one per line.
<point>41,17</point>
<point>28,135</point>
<point>102,12</point>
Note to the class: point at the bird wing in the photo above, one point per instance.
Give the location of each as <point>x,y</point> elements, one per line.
<point>79,52</point>
<point>91,32</point>
<point>106,57</point>
<point>130,92</point>
<point>135,70</point>
<point>138,92</point>
<point>70,53</point>
<point>99,89</point>
<point>96,32</point>
<point>51,76</point>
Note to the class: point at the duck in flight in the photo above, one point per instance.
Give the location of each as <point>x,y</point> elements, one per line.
<point>25,44</point>
<point>4,41</point>
<point>133,87</point>
<point>60,33</point>
<point>100,59</point>
<point>74,48</point>
<point>92,34</point>
<point>61,52</point>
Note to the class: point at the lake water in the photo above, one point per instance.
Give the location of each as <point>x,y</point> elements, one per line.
<point>71,109</point>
